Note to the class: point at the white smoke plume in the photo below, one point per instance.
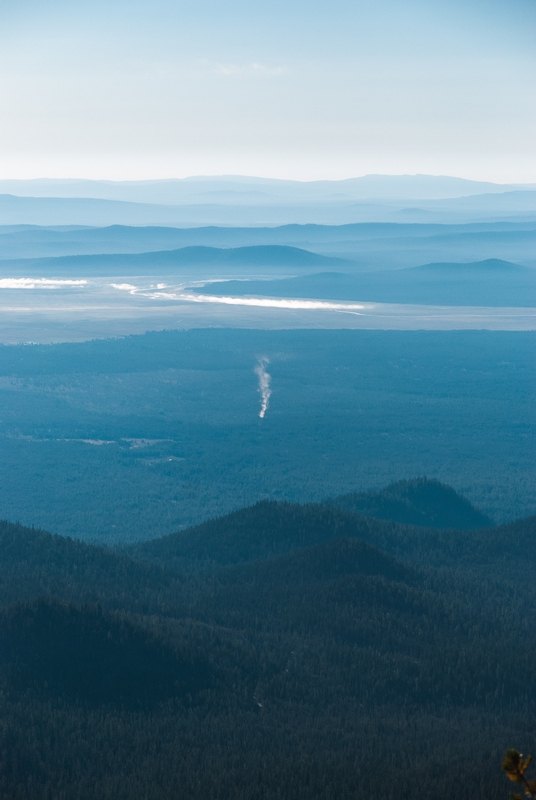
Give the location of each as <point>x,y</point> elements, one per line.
<point>264,384</point>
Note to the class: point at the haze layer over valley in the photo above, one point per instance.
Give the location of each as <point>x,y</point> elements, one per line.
<point>253,201</point>
<point>75,283</point>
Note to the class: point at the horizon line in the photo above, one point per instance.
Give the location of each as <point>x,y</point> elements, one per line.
<point>246,178</point>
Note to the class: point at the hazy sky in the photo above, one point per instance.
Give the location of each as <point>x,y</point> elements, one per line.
<point>298,89</point>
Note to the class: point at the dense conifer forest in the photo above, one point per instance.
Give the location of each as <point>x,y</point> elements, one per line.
<point>128,439</point>
<point>284,650</point>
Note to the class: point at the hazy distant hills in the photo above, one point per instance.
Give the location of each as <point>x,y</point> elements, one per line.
<point>183,259</point>
<point>369,246</point>
<point>488,269</point>
<point>486,283</point>
<point>80,211</point>
<point>250,201</point>
<point>231,189</point>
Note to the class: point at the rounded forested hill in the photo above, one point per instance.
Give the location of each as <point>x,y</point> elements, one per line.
<point>419,501</point>
<point>269,528</point>
<point>264,530</point>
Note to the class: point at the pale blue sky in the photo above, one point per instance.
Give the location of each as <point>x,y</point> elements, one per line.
<point>282,89</point>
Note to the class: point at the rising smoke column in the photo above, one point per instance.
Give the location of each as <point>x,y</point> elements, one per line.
<point>264,384</point>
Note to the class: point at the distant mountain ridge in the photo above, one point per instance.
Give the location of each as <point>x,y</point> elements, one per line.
<point>491,282</point>
<point>400,244</point>
<point>182,258</point>
<point>411,199</point>
<point>205,188</point>
<point>486,267</point>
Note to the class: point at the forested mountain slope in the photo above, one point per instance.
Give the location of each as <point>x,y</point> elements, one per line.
<point>367,625</point>
<point>89,656</point>
<point>35,563</point>
<point>261,531</point>
<point>274,673</point>
<point>270,528</point>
